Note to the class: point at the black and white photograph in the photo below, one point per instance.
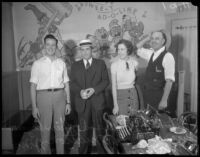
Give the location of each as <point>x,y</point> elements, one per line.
<point>99,78</point>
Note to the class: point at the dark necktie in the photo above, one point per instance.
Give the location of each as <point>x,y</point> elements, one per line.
<point>127,66</point>
<point>87,65</point>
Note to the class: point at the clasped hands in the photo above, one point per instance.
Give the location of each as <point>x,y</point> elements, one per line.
<point>86,93</point>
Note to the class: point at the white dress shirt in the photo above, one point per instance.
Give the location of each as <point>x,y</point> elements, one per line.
<point>168,60</point>
<point>85,61</point>
<point>49,74</point>
<point>125,78</point>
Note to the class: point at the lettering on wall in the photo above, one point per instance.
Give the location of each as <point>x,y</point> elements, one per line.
<point>122,23</point>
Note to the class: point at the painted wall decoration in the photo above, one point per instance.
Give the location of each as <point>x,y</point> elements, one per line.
<point>46,25</point>
<point>104,22</point>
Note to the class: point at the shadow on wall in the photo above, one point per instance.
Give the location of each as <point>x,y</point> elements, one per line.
<point>177,48</point>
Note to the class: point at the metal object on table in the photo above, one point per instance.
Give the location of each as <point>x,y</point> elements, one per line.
<point>185,146</point>
<point>123,132</point>
<point>111,141</point>
<point>189,120</point>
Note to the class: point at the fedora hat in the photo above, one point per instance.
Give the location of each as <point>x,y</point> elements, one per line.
<point>85,42</point>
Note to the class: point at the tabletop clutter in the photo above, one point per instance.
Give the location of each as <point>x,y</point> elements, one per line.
<point>142,129</point>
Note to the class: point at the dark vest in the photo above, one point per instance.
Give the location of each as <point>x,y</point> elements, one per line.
<point>155,77</point>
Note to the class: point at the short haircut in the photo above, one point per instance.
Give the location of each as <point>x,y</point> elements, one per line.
<point>50,36</point>
<point>163,35</point>
<point>130,48</point>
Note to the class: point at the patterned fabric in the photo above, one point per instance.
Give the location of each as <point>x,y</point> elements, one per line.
<point>127,100</point>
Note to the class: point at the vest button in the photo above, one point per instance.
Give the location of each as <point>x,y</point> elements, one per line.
<point>154,80</point>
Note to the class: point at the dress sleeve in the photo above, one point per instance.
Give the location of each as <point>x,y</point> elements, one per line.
<point>113,68</point>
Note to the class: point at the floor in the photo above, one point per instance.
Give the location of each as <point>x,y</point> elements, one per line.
<point>27,141</point>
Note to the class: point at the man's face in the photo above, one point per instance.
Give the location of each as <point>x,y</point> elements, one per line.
<point>50,46</point>
<point>86,52</point>
<point>157,41</point>
<point>96,53</point>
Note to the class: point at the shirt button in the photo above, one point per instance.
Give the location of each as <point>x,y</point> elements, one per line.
<point>154,80</point>
<point>129,105</point>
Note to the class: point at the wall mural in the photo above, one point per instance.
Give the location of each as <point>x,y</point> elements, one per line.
<point>128,26</point>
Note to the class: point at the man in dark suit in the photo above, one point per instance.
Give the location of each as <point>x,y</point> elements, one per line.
<point>89,78</point>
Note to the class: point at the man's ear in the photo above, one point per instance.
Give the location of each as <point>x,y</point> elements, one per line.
<point>163,41</point>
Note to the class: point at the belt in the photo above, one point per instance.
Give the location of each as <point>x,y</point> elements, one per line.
<point>50,90</point>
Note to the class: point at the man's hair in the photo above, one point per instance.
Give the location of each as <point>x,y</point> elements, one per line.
<point>50,36</point>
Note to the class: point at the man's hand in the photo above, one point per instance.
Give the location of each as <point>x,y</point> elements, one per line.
<point>35,113</point>
<point>162,105</point>
<point>147,37</point>
<point>67,109</point>
<point>83,94</point>
<point>90,92</point>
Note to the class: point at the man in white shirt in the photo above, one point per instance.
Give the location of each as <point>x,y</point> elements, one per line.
<point>50,95</point>
<point>160,71</point>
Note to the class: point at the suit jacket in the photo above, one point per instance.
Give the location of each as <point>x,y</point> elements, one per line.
<point>98,78</point>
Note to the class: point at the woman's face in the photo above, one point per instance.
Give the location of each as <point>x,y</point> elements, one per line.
<point>122,51</point>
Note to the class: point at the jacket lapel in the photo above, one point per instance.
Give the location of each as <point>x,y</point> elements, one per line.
<point>82,73</point>
<point>92,70</point>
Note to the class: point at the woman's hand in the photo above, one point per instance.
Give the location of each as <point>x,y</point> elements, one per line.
<point>35,113</point>
<point>67,109</point>
<point>115,110</point>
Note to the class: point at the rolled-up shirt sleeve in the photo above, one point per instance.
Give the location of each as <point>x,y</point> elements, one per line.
<point>66,77</point>
<point>34,73</point>
<point>145,53</point>
<point>169,66</point>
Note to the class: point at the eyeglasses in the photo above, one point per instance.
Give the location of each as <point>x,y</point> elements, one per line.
<point>121,49</point>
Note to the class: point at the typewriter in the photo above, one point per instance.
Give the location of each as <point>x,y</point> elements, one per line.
<point>143,124</point>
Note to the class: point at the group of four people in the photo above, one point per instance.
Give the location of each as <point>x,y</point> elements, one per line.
<point>51,86</point>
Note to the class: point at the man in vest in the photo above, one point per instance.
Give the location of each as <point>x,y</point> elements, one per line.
<point>160,71</point>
